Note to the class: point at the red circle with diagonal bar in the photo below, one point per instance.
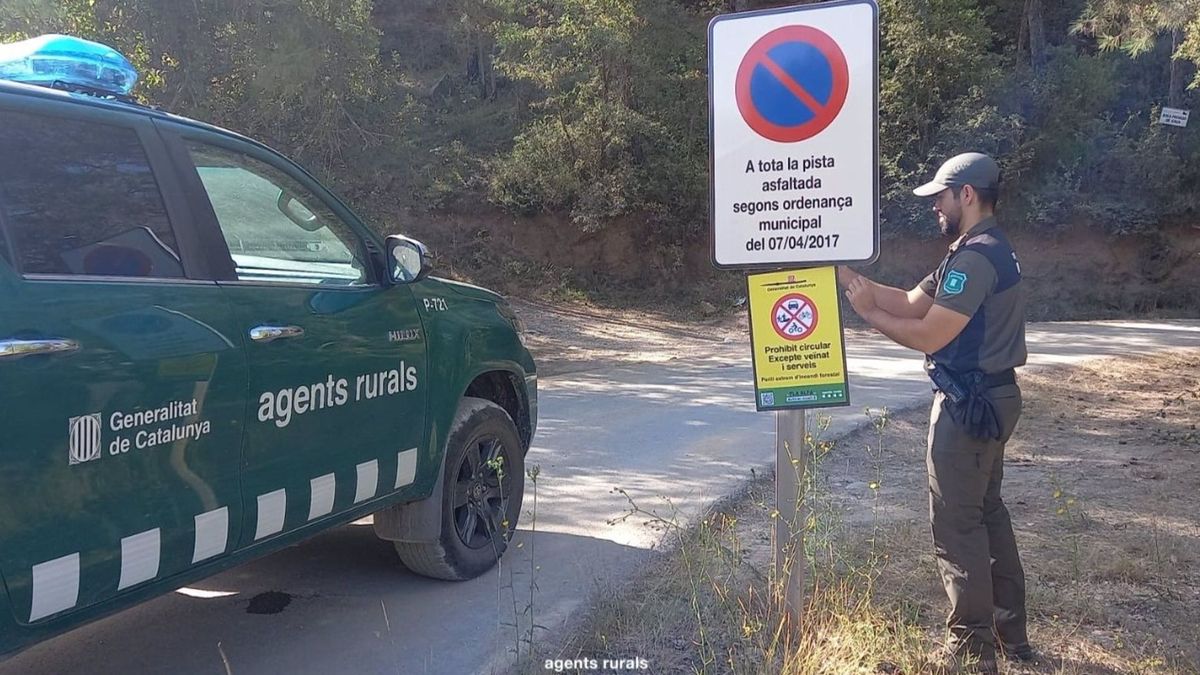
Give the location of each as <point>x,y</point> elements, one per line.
<point>794,317</point>
<point>823,113</point>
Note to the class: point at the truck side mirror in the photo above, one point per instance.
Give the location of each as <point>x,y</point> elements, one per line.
<point>409,260</point>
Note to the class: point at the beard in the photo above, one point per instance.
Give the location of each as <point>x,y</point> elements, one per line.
<point>948,227</point>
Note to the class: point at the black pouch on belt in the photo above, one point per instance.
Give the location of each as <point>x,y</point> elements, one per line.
<point>969,401</point>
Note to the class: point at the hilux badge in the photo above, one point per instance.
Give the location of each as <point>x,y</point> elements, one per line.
<point>408,335</point>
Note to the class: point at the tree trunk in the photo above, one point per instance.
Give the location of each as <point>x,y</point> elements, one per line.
<point>1023,33</point>
<point>1037,34</point>
<point>480,68</point>
<point>1179,73</point>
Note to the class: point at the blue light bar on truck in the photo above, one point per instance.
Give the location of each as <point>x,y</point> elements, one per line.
<point>70,62</point>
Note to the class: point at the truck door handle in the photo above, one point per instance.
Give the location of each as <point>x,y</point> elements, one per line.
<point>272,333</point>
<point>15,349</point>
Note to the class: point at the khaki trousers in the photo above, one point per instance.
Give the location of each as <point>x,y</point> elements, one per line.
<point>972,533</point>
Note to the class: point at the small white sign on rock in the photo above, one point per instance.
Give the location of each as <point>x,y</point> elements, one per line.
<point>1176,117</point>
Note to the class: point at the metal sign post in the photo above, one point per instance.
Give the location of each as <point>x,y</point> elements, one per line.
<point>793,122</point>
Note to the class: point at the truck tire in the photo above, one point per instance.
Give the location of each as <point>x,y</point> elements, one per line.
<point>480,505</point>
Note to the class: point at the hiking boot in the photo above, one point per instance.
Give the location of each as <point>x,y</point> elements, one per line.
<point>1021,653</point>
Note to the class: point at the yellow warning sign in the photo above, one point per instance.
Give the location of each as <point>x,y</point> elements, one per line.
<point>796,335</point>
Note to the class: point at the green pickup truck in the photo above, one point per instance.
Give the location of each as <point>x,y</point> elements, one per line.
<point>205,357</point>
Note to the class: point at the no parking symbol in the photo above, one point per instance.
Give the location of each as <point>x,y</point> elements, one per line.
<point>792,83</point>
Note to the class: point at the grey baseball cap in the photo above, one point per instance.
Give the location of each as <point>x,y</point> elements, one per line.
<point>970,168</point>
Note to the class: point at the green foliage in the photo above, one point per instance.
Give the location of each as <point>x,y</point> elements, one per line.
<point>1134,26</point>
<point>617,128</point>
<point>1076,133</point>
<point>934,54</point>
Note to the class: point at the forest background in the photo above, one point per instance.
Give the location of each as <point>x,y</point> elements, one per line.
<point>559,148</point>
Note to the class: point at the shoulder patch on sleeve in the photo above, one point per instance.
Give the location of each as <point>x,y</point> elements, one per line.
<point>955,282</point>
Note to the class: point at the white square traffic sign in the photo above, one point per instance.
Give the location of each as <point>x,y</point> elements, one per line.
<point>1176,117</point>
<point>793,114</point>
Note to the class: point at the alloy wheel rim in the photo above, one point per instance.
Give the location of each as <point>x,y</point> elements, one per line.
<point>481,491</point>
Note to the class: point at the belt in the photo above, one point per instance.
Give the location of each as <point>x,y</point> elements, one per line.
<point>1000,379</point>
<point>959,383</point>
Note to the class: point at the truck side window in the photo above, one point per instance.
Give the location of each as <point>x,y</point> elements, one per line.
<point>275,228</point>
<point>79,198</point>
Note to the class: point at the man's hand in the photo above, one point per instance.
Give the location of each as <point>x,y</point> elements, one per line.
<point>846,275</point>
<point>861,296</point>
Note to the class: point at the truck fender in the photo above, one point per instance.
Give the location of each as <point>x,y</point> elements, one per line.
<point>416,522</point>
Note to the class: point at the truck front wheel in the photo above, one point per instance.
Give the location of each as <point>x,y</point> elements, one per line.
<point>483,483</point>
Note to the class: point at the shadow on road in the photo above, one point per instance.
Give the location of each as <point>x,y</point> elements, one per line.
<point>338,586</point>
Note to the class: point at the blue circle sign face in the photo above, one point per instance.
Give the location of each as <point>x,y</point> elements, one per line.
<point>792,84</point>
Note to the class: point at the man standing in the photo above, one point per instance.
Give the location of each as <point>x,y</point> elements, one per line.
<point>968,318</point>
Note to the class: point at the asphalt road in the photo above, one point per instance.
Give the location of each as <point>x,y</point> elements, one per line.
<point>675,435</point>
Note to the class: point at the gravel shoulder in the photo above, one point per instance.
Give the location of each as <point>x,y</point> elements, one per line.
<point>1101,478</point>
